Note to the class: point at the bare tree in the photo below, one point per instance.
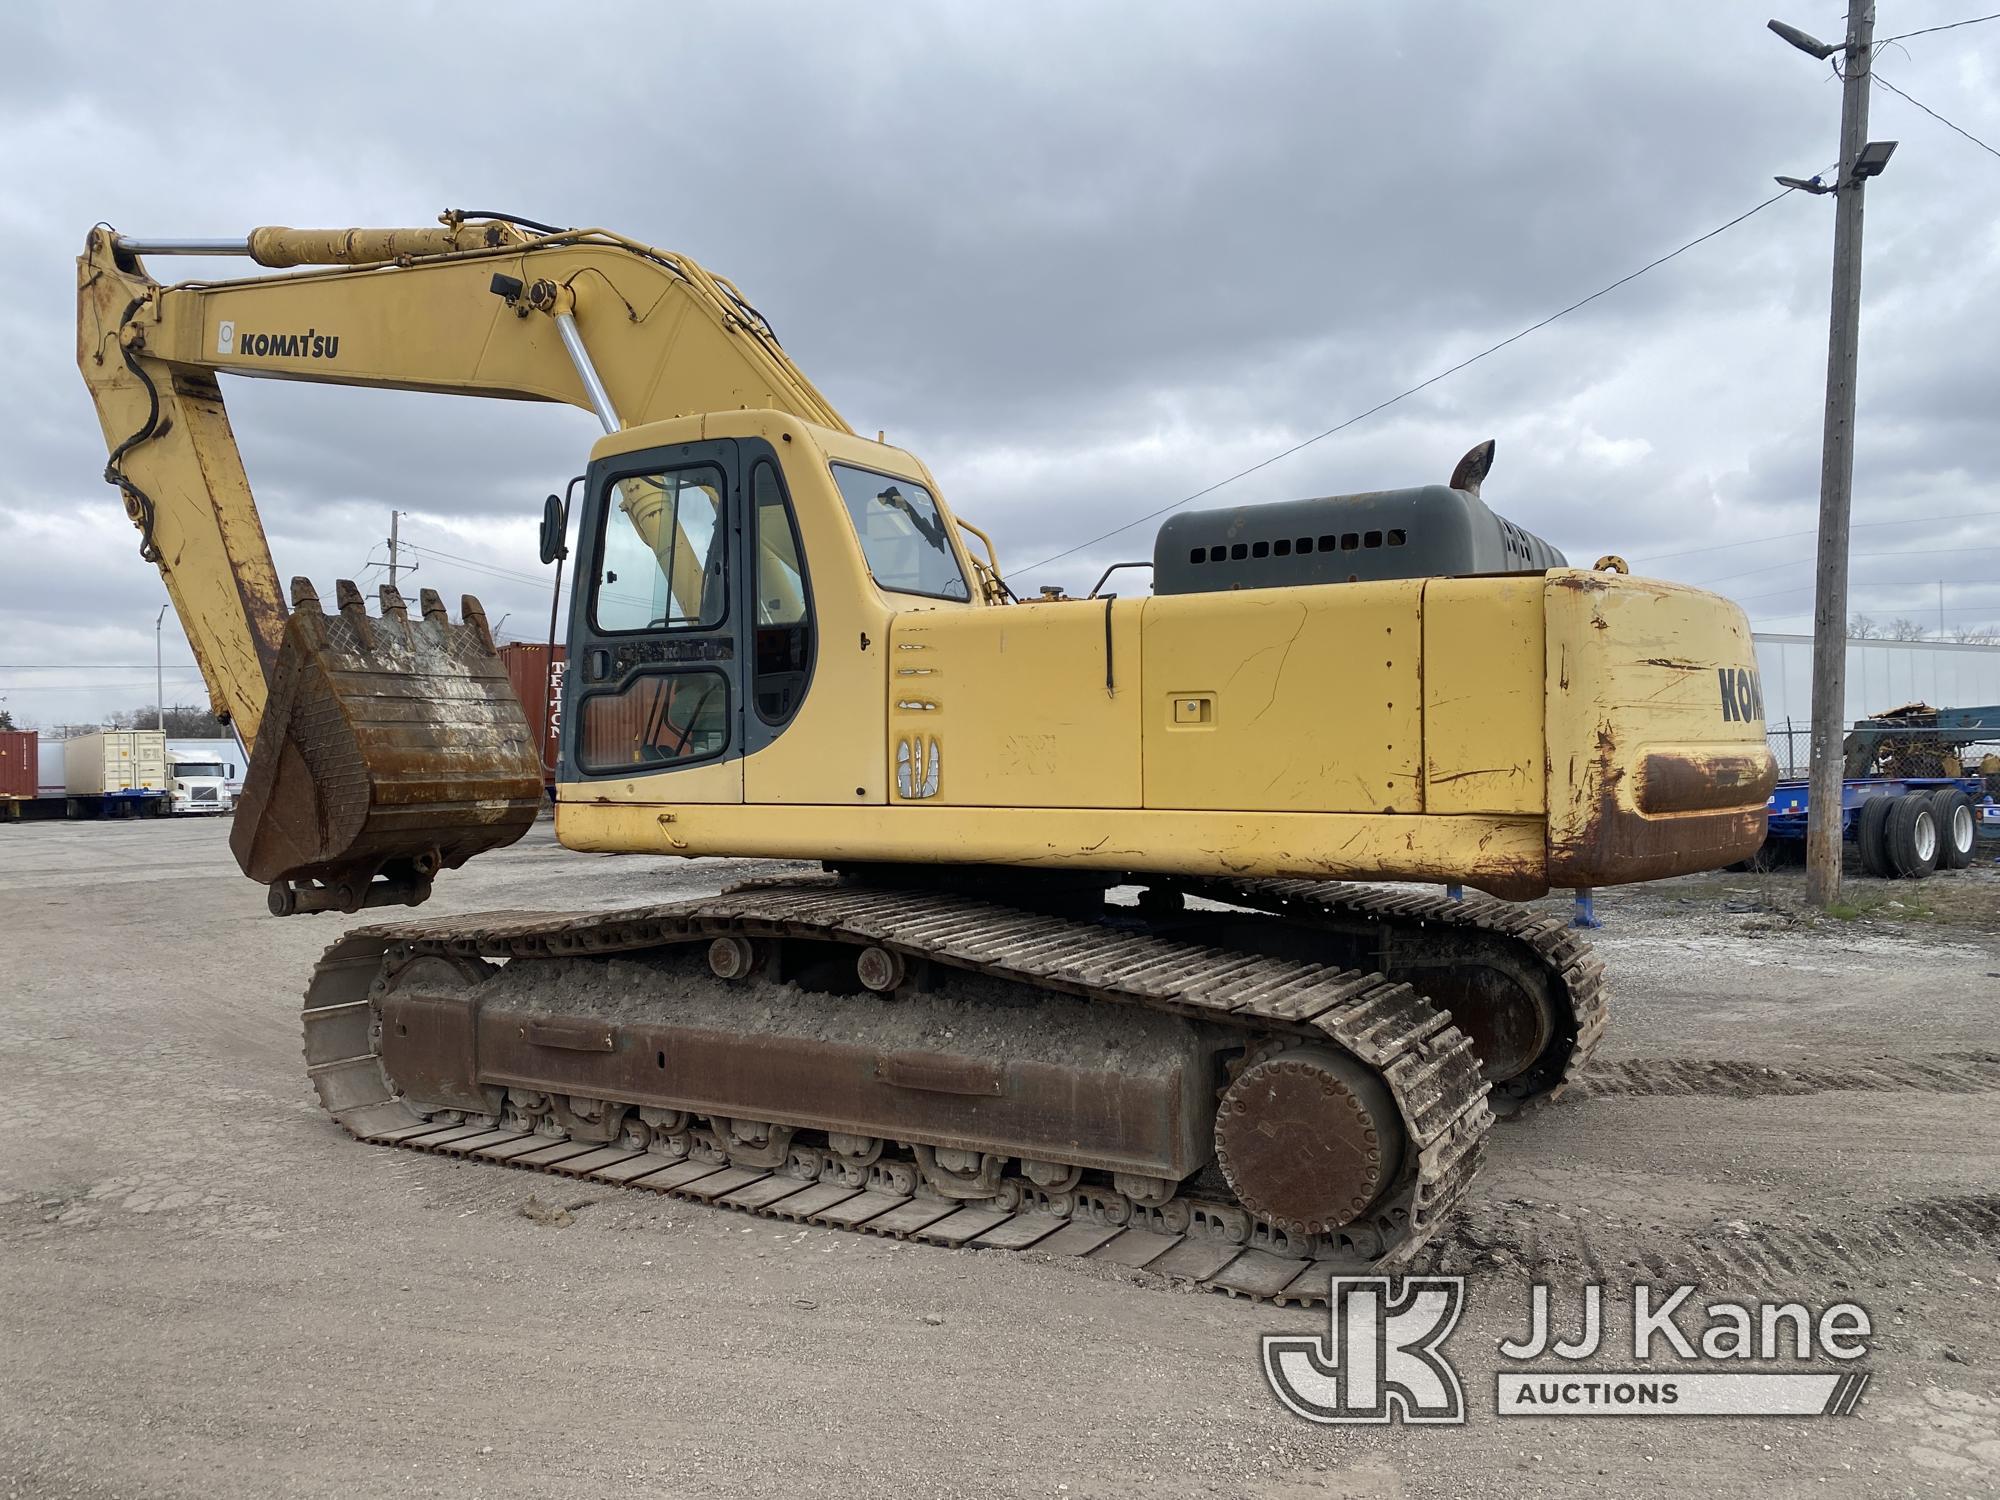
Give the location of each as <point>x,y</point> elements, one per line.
<point>1977,635</point>
<point>1861,628</point>
<point>1903,629</point>
<point>183,721</point>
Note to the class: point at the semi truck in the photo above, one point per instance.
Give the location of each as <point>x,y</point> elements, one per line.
<point>197,784</point>
<point>225,751</point>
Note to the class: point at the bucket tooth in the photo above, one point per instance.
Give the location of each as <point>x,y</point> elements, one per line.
<point>474,615</point>
<point>393,607</point>
<point>434,609</point>
<point>304,595</point>
<point>354,612</point>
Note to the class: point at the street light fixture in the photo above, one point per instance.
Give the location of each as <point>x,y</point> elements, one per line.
<point>1868,162</point>
<point>1812,46</point>
<point>1873,158</point>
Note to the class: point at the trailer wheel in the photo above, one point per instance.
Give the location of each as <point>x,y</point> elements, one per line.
<point>1870,829</point>
<point>1957,830</point>
<point>1767,858</point>
<point>1912,836</point>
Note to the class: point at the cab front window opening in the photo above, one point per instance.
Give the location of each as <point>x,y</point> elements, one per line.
<point>903,533</point>
<point>661,564</point>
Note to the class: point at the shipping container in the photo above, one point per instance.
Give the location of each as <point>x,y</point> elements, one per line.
<point>20,762</point>
<point>115,762</point>
<point>49,778</point>
<point>539,687</point>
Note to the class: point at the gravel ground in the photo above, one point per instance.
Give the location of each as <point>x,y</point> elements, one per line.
<point>207,1289</point>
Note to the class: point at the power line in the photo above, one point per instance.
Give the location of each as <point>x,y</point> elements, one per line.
<point>79,687</point>
<point>1787,536</point>
<point>475,563</point>
<point>1877,586</point>
<point>1413,390</point>
<point>1935,115</point>
<point>1926,607</point>
<point>1793,562</point>
<point>1987,611</point>
<point>88,666</point>
<point>1904,36</point>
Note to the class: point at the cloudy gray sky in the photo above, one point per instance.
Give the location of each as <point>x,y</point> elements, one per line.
<point>1086,259</point>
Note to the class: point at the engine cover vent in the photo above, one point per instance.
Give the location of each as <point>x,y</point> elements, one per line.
<point>1429,532</point>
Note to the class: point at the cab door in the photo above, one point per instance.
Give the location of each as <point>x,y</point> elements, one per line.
<point>655,693</point>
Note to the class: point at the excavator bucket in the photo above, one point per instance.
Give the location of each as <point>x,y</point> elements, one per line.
<point>391,748</point>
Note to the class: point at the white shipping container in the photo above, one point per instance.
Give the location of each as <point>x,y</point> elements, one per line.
<point>50,778</point>
<point>115,760</point>
<point>1880,675</point>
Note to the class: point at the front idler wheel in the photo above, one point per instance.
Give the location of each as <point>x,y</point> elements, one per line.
<point>1309,1139</point>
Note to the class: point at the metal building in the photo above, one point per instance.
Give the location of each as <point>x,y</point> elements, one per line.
<point>1880,675</point>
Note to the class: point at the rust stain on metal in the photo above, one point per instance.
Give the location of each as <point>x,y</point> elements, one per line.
<point>1616,845</point>
<point>1702,781</point>
<point>394,748</point>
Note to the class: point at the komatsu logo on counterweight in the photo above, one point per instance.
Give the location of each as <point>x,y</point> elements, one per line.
<point>1742,694</point>
<point>310,344</point>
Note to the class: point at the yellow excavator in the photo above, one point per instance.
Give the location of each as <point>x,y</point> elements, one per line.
<point>1086,969</point>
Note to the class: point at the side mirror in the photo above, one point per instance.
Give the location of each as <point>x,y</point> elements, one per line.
<point>552,530</point>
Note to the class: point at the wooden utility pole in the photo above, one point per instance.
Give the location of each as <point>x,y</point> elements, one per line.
<point>394,517</point>
<point>1836,475</point>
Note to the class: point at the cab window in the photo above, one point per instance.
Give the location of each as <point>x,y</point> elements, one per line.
<point>902,533</point>
<point>783,624</point>
<point>662,565</point>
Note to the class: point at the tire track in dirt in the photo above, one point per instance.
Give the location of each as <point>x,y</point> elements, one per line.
<point>1547,1243</point>
<point>1947,1073</point>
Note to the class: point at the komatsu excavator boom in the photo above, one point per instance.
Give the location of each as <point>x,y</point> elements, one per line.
<point>783,644</point>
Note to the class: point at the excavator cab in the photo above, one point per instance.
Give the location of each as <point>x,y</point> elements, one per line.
<point>392,747</point>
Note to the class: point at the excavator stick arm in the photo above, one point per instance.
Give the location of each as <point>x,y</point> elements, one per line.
<point>399,748</point>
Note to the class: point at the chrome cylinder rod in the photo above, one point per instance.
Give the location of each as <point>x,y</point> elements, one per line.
<point>593,384</point>
<point>132,244</point>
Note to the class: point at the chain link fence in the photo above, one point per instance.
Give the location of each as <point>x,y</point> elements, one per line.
<point>1898,750</point>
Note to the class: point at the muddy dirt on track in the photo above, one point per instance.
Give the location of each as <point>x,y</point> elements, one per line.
<point>207,1289</point>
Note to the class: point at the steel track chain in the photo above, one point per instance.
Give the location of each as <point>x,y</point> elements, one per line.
<point>1427,1063</point>
<point>1576,974</point>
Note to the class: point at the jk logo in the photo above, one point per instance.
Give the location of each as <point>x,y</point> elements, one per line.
<point>1381,1360</point>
